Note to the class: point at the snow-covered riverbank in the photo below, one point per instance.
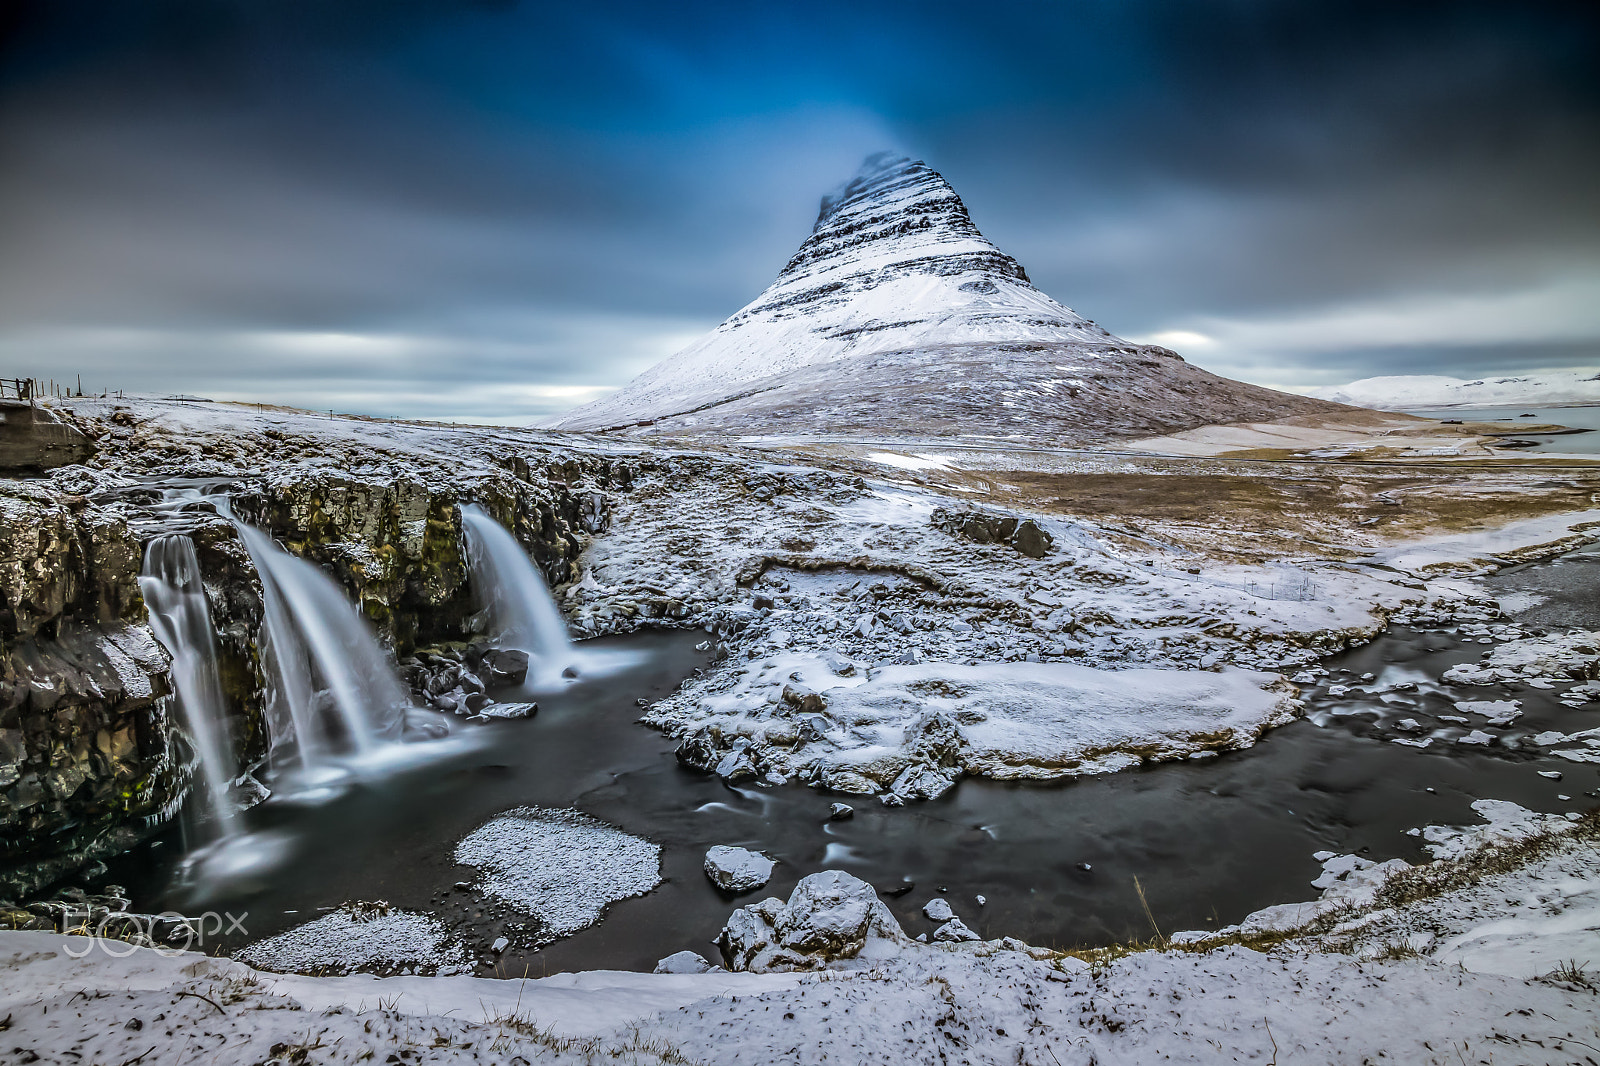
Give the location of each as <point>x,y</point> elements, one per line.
<point>1466,959</point>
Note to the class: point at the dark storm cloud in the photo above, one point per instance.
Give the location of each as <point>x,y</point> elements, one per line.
<point>493,209</point>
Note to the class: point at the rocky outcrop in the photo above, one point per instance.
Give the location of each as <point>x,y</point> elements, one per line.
<point>86,751</point>
<point>33,440</point>
<point>829,916</point>
<point>993,527</point>
<point>396,543</point>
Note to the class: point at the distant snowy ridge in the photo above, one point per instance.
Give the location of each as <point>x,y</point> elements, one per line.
<point>1433,390</point>
<point>897,279</point>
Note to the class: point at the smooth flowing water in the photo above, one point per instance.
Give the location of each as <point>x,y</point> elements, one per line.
<point>181,620</point>
<point>516,604</point>
<point>1209,842</point>
<point>332,688</point>
<point>517,610</point>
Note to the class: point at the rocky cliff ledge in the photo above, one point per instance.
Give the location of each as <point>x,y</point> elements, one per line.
<point>92,756</point>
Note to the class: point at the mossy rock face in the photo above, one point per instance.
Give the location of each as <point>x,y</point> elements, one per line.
<point>396,544</point>
<point>90,760</point>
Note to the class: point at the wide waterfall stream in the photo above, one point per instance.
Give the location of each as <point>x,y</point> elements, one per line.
<point>1209,841</point>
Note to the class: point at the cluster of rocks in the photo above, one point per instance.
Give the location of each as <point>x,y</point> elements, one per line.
<point>829,916</point>
<point>994,527</point>
<point>1543,660</point>
<point>457,678</point>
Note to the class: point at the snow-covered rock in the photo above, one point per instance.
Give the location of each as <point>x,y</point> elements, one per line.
<point>1566,655</point>
<point>829,916</point>
<point>683,962</point>
<point>938,910</point>
<point>737,869</point>
<point>362,938</point>
<point>955,931</point>
<point>909,732</point>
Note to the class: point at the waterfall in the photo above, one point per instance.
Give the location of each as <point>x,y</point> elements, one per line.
<point>516,602</point>
<point>332,685</point>
<point>181,620</point>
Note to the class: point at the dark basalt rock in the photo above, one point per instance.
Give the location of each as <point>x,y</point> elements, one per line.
<point>994,527</point>
<point>505,666</point>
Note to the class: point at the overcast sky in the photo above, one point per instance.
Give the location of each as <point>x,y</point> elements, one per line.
<point>495,210</point>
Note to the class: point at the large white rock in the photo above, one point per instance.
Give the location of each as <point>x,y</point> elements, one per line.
<point>683,962</point>
<point>737,869</point>
<point>829,916</point>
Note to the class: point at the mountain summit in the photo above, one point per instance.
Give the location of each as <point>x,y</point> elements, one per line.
<point>898,315</point>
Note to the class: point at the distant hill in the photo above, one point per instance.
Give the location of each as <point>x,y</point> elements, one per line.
<point>1405,392</point>
<point>897,316</point>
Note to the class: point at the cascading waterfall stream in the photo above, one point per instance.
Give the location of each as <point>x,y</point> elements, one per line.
<point>312,633</point>
<point>336,710</point>
<point>181,620</point>
<point>517,604</point>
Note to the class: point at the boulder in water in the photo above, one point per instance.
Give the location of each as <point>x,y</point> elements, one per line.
<point>737,869</point>
<point>505,666</point>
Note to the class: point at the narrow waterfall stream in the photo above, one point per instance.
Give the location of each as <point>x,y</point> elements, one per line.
<point>331,686</point>
<point>181,619</point>
<point>517,606</point>
<point>519,613</point>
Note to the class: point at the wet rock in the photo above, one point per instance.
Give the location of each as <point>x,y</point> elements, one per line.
<point>829,916</point>
<point>838,812</point>
<point>737,869</point>
<point>505,666</point>
<point>509,710</point>
<point>699,751</point>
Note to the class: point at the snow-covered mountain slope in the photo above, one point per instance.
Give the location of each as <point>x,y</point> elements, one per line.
<point>896,314</point>
<point>1433,390</point>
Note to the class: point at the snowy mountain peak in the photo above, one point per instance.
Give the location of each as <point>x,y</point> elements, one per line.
<point>896,280</point>
<point>895,201</point>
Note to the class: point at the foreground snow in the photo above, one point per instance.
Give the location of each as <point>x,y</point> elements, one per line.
<point>1398,393</point>
<point>1460,960</point>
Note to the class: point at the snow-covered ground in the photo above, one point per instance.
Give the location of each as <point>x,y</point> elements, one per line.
<point>1466,959</point>
<point>1403,392</point>
<point>858,635</point>
<point>789,566</point>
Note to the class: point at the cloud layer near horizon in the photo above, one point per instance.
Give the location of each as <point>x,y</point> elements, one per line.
<point>498,210</point>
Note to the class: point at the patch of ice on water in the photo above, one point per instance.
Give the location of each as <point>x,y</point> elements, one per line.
<point>357,939</point>
<point>561,866</point>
